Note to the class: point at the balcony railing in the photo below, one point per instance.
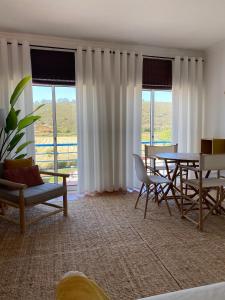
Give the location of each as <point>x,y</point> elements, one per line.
<point>67,158</point>
<point>66,161</point>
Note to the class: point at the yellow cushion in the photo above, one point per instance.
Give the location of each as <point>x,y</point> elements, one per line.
<point>79,288</point>
<point>18,163</point>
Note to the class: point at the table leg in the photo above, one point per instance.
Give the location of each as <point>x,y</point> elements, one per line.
<point>172,187</point>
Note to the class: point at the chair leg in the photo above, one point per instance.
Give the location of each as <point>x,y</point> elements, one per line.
<point>166,200</point>
<point>221,196</point>
<point>140,193</point>
<point>200,224</point>
<point>156,194</point>
<point>146,203</point>
<point>182,194</point>
<point>186,187</point>
<point>22,212</point>
<point>65,204</point>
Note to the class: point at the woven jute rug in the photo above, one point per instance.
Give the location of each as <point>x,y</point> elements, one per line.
<point>108,240</point>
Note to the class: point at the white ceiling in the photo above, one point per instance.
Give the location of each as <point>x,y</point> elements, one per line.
<point>191,24</point>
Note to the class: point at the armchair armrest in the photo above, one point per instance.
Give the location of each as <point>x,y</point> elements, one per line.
<point>11,184</point>
<point>54,174</point>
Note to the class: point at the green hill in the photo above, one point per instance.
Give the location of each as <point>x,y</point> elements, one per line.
<point>66,120</point>
<point>65,116</point>
<point>163,121</point>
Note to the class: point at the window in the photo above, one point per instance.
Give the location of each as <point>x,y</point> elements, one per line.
<point>53,75</point>
<point>156,117</point>
<point>156,102</point>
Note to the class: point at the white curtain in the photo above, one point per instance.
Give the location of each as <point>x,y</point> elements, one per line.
<point>15,63</point>
<point>109,118</point>
<point>187,103</point>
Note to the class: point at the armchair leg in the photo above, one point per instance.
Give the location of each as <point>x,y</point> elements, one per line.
<point>2,208</point>
<point>22,213</point>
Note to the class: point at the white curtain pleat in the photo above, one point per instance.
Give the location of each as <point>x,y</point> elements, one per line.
<point>109,118</point>
<point>134,109</point>
<point>4,75</point>
<point>15,63</point>
<point>187,103</point>
<point>28,96</point>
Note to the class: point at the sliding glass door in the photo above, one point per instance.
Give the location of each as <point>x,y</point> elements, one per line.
<point>156,117</point>
<point>56,132</point>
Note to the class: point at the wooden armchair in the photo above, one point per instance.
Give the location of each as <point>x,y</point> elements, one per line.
<point>20,196</point>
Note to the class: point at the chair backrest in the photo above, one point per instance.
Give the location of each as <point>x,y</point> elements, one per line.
<point>212,162</point>
<point>1,169</point>
<point>152,150</point>
<point>140,169</point>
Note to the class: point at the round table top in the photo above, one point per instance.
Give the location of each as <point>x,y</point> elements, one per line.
<point>185,157</point>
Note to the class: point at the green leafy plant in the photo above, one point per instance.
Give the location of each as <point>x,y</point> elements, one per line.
<point>14,130</point>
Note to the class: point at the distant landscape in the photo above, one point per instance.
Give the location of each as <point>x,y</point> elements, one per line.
<point>66,120</point>
<point>65,115</point>
<point>163,121</point>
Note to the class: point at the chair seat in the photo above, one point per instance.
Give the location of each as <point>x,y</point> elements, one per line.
<point>206,182</point>
<point>158,179</point>
<point>34,195</point>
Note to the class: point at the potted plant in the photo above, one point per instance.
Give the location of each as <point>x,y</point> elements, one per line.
<point>13,126</point>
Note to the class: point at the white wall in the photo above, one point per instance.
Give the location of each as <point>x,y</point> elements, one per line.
<point>214,123</point>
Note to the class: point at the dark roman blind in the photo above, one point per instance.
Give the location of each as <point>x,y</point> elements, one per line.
<point>157,74</point>
<point>53,67</point>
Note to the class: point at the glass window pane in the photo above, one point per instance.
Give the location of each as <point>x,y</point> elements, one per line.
<point>145,132</point>
<point>66,132</point>
<point>43,129</point>
<point>163,117</point>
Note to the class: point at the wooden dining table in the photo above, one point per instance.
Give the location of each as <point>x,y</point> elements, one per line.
<point>177,159</point>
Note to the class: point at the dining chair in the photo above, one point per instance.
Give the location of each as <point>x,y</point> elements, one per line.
<point>150,184</point>
<point>208,192</point>
<point>155,166</point>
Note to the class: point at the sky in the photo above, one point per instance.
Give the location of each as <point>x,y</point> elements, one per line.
<point>44,92</point>
<point>162,96</point>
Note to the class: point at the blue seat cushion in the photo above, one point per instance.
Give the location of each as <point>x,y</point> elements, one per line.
<point>35,194</point>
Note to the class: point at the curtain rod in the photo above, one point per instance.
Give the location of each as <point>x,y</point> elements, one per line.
<point>75,49</point>
<point>112,51</point>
